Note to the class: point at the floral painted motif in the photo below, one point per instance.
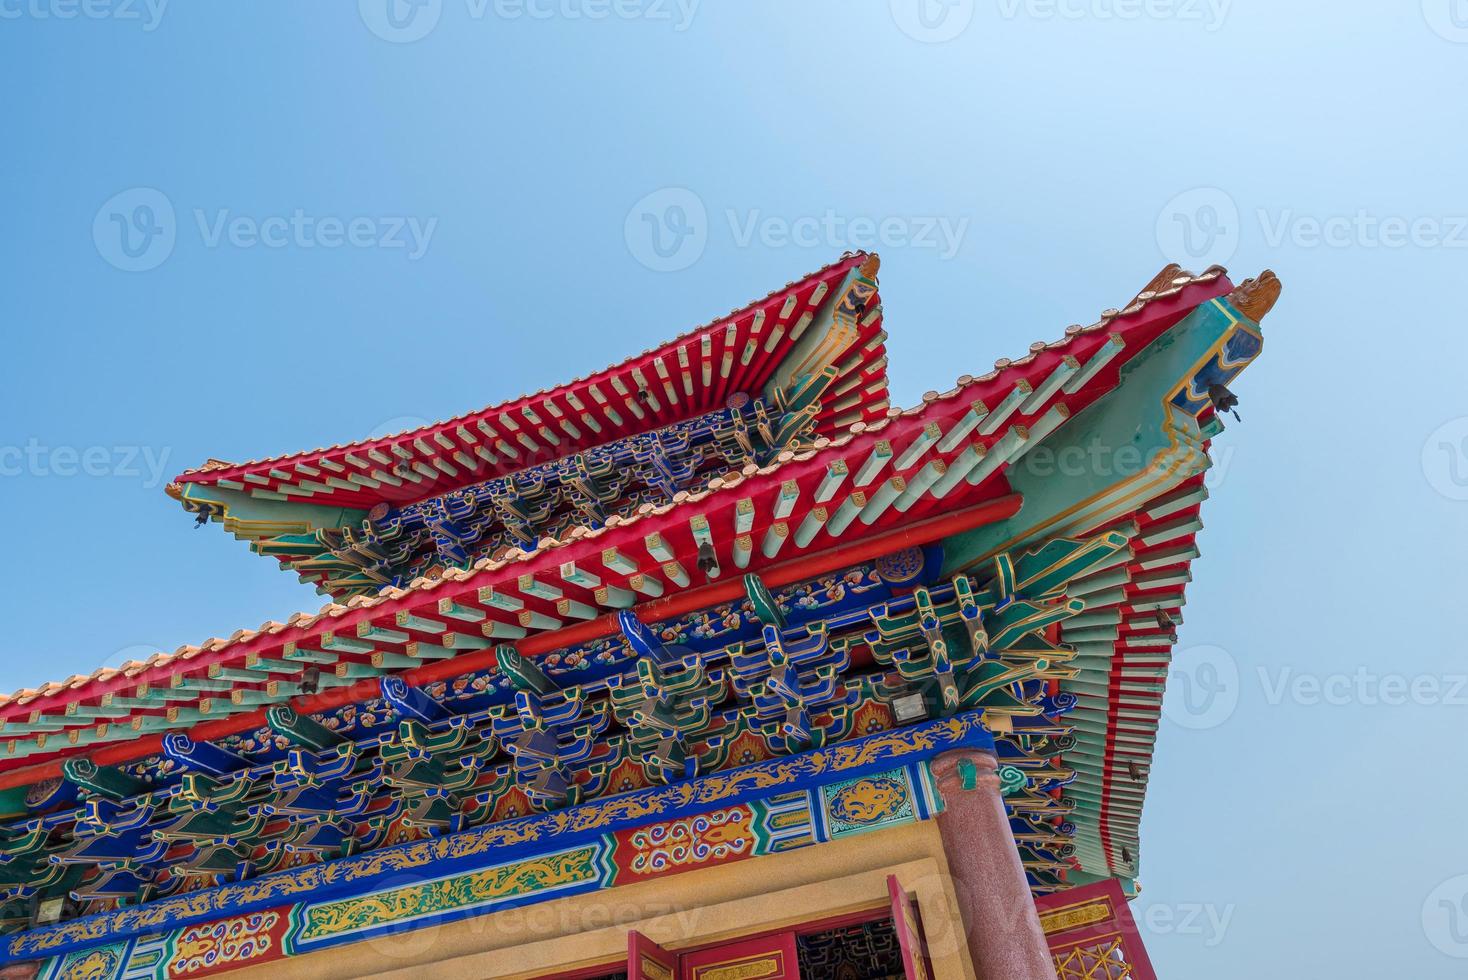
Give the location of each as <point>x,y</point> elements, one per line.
<point>873,717</point>
<point>629,775</point>
<point>901,567</point>
<point>202,949</point>
<point>678,845</point>
<point>746,750</point>
<point>38,793</point>
<point>512,804</point>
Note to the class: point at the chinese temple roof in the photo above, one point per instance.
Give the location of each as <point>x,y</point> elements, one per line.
<point>691,374</point>
<point>314,511</point>
<point>1018,390</point>
<point>767,570</point>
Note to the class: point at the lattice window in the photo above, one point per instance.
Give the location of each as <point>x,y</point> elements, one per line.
<point>1103,961</point>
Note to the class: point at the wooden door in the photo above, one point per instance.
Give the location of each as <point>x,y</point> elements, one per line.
<point>909,932</point>
<point>765,958</point>
<point>646,960</point>
<point>1092,934</point>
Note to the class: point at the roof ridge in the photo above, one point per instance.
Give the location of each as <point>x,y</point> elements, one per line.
<point>214,465</point>
<point>304,620</point>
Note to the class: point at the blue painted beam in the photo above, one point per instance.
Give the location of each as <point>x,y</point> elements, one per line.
<point>511,839</point>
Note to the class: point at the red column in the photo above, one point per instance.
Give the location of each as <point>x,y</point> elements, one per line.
<point>999,917</point>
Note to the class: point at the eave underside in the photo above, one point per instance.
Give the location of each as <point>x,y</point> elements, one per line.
<point>1076,716</point>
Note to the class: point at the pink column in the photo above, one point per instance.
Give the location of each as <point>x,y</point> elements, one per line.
<point>999,917</point>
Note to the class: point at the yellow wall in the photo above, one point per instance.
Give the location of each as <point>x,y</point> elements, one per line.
<point>690,909</point>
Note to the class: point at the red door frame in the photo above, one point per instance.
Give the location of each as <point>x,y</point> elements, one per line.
<point>646,960</point>
<point>774,956</point>
<point>908,924</point>
<point>1094,917</point>
<point>587,973</point>
<point>877,913</point>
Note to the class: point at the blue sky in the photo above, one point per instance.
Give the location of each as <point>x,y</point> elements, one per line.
<point>237,230</point>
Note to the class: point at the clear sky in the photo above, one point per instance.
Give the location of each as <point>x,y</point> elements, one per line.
<point>237,230</point>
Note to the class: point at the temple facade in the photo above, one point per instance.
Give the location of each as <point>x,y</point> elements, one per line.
<point>709,665</point>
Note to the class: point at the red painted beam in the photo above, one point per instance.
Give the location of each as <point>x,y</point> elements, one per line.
<point>1140,328</point>
<point>657,610</point>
